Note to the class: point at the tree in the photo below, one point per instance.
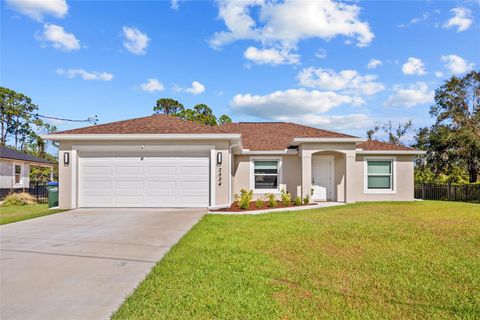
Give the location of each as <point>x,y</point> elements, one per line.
<point>393,134</point>
<point>454,139</point>
<point>224,119</point>
<point>19,119</point>
<point>168,106</point>
<point>205,115</point>
<point>200,113</point>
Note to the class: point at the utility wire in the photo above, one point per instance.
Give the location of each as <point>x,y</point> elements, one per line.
<point>92,119</point>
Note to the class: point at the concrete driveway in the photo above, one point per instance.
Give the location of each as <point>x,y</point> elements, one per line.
<point>81,264</point>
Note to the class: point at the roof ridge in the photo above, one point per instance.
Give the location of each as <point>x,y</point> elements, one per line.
<point>153,116</point>
<point>321,129</point>
<point>104,124</point>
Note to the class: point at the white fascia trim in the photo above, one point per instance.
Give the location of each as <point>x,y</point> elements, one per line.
<point>208,136</point>
<point>297,141</point>
<point>269,152</point>
<point>143,148</point>
<point>390,152</point>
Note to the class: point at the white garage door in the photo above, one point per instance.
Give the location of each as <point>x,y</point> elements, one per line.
<point>153,181</point>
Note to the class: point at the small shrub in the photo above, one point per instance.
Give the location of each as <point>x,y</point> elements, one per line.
<point>245,198</point>
<point>286,198</point>
<point>259,203</point>
<point>297,201</point>
<point>18,199</point>
<point>306,200</point>
<point>272,201</point>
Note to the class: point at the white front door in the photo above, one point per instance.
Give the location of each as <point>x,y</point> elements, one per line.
<point>149,181</point>
<point>322,178</point>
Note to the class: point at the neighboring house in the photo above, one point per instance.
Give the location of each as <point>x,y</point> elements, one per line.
<point>162,161</point>
<point>15,168</point>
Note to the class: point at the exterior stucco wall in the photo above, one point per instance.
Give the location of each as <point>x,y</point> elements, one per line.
<point>7,174</point>
<point>291,174</point>
<point>68,177</point>
<point>403,180</point>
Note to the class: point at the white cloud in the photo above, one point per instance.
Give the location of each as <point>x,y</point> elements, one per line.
<point>271,56</point>
<point>321,54</point>
<point>196,88</point>
<point>439,74</point>
<point>456,64</point>
<point>290,21</point>
<point>346,81</point>
<point>37,9</point>
<point>135,41</point>
<point>374,63</point>
<point>174,4</point>
<point>85,75</point>
<point>332,122</point>
<point>152,85</point>
<point>462,19</point>
<point>58,37</point>
<point>291,102</point>
<point>415,94</point>
<point>414,66</point>
<point>416,20</point>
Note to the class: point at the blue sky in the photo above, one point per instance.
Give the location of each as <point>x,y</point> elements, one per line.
<point>254,60</point>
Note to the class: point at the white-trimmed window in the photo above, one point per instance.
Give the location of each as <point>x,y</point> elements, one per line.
<point>266,174</point>
<point>379,175</point>
<point>17,174</point>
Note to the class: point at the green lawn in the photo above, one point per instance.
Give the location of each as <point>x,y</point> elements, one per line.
<point>14,214</point>
<point>364,261</point>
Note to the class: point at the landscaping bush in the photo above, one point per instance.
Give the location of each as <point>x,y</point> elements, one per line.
<point>259,203</point>
<point>18,199</point>
<point>306,200</point>
<point>297,201</point>
<point>245,198</point>
<point>286,198</point>
<point>272,201</point>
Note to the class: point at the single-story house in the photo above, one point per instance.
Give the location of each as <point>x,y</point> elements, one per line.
<point>163,161</point>
<point>15,168</point>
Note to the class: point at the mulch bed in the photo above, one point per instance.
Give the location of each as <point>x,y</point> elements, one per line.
<point>252,207</point>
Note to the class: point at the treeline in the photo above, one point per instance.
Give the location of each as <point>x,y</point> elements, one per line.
<point>201,113</point>
<point>452,143</point>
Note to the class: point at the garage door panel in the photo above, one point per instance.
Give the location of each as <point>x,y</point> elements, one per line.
<point>130,200</point>
<point>191,184</point>
<point>96,185</point>
<point>162,185</point>
<point>157,170</point>
<point>129,185</point>
<point>121,181</point>
<point>129,170</point>
<point>191,200</point>
<point>98,170</point>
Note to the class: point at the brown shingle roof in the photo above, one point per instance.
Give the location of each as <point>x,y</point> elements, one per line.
<point>378,145</point>
<point>156,124</point>
<point>275,135</point>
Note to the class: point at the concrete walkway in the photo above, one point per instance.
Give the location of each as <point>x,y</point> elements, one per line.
<point>82,264</point>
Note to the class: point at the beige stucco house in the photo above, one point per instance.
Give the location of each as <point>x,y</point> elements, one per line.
<point>162,161</point>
